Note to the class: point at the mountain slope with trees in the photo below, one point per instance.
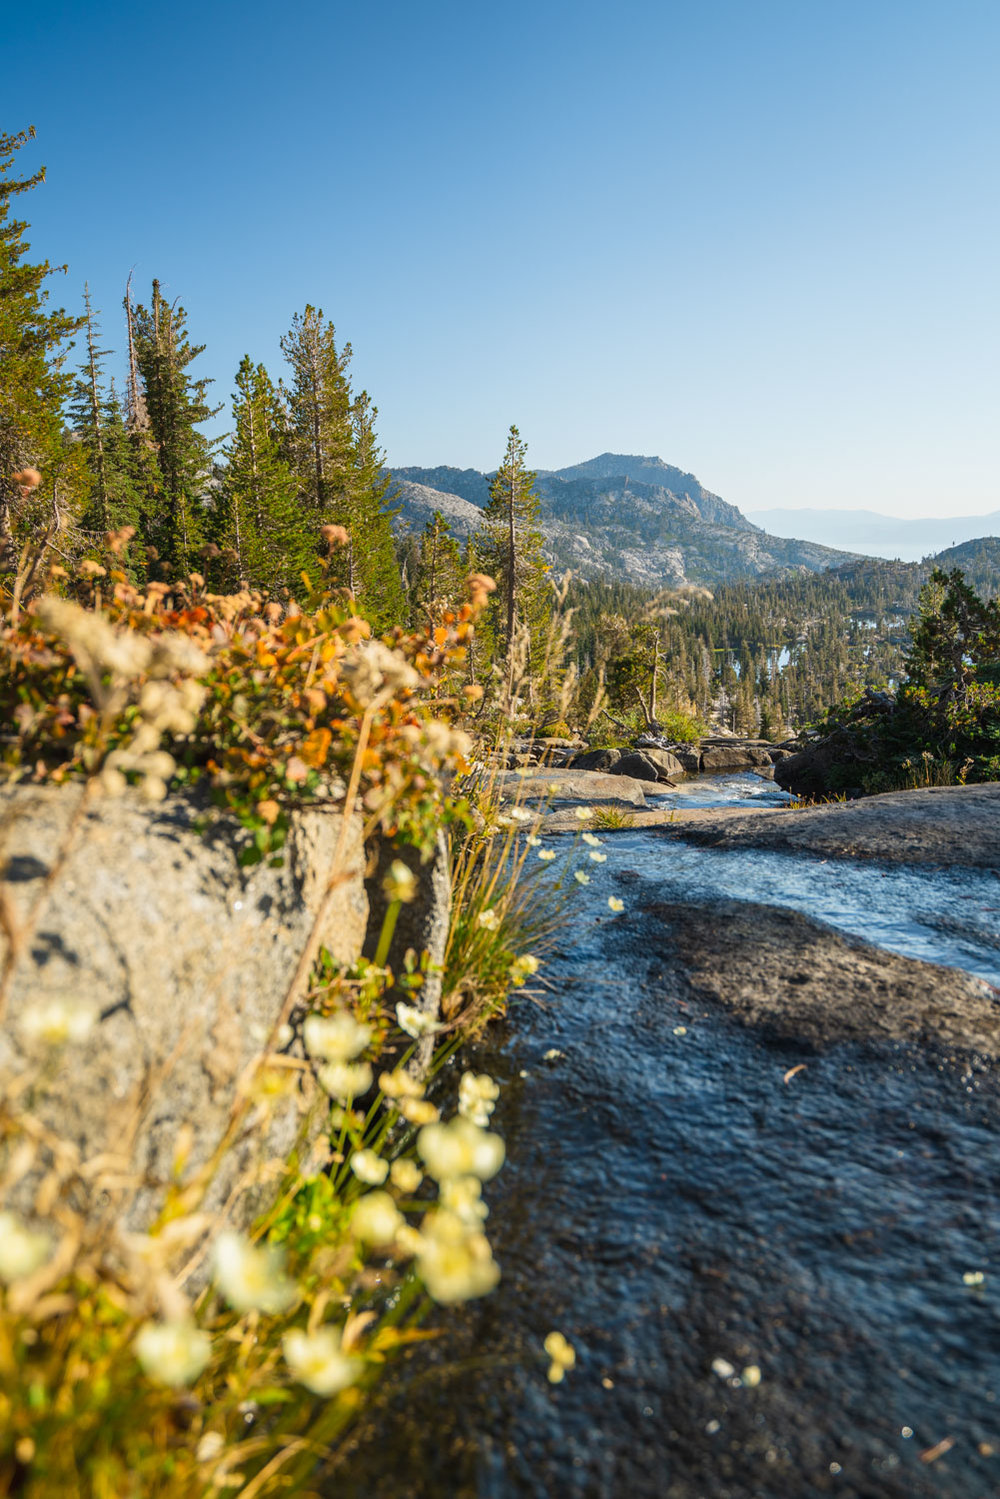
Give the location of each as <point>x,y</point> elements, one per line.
<point>627,517</point>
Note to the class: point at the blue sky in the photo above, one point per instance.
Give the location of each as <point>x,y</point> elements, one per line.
<point>756,237</point>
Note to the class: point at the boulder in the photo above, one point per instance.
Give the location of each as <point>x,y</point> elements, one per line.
<point>183,958</point>
<point>689,757</point>
<point>665,761</point>
<point>717,757</point>
<point>639,766</point>
<point>596,759</point>
<point>561,787</point>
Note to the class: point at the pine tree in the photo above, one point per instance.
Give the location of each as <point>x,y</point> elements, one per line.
<point>111,498</point>
<point>257,522</point>
<point>439,572</point>
<point>335,454</point>
<point>33,348</point>
<point>374,573</point>
<point>176,405</point>
<point>511,548</point>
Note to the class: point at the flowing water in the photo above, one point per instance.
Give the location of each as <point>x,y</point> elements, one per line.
<point>683,1215</point>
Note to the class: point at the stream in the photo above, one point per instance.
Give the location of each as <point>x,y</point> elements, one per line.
<point>688,1220</point>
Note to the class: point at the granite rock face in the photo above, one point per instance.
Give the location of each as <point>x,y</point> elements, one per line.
<point>596,759</point>
<point>720,757</point>
<point>184,959</point>
<point>806,983</point>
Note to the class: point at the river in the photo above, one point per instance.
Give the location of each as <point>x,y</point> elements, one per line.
<point>691,1221</point>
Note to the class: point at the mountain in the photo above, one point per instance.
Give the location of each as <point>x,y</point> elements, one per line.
<point>622,516</point>
<point>416,503</point>
<point>877,535</point>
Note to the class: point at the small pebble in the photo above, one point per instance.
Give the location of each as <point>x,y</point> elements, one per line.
<point>723,1368</point>
<point>751,1376</point>
<point>973,1278</point>
<point>680,1030</point>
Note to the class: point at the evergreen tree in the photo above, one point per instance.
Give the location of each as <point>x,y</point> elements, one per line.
<point>175,404</point>
<point>257,522</point>
<point>373,572</point>
<point>335,454</point>
<point>33,347</point>
<point>511,549</point>
<point>111,498</point>
<point>440,572</point>
<point>955,637</point>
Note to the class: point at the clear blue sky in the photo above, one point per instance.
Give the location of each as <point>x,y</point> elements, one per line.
<point>756,237</point>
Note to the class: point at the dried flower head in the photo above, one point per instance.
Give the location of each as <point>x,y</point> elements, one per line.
<point>335,536</point>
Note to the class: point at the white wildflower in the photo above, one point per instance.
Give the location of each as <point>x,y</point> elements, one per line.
<point>59,1019</point>
<point>400,1084</point>
<point>252,1278</point>
<point>173,1353</point>
<point>533,840</point>
<point>409,1241</point>
<point>616,905</point>
<point>523,968</point>
<point>376,1219</point>
<point>335,1038</point>
<point>454,1263</point>
<point>546,854</point>
<point>317,1360</point>
<point>581,877</point>
<point>463,1196</point>
<point>418,1110</point>
<point>563,1356</point>
<point>415,1022</point>
<point>477,1096</point>
<point>369,1167</point>
<point>345,1080</point>
<point>598,858</point>
<point>460,1148</point>
<point>22,1250</point>
<point>592,840</point>
<point>490,919</point>
<point>405,1174</point>
<point>521,814</point>
<point>372,668</point>
<point>400,884</point>
<point>583,813</point>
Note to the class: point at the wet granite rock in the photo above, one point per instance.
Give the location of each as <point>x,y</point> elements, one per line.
<point>947,825</point>
<point>802,981</point>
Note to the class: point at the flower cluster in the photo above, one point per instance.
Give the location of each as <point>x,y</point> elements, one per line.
<point>173,685</point>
